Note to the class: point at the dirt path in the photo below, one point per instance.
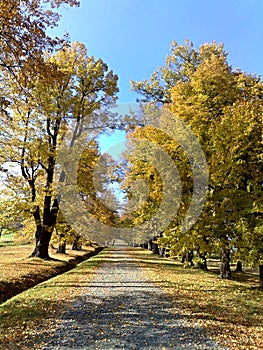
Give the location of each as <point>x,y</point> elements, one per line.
<point>122,309</point>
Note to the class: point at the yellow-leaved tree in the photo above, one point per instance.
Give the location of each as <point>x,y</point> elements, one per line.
<point>223,108</point>
<point>23,33</point>
<point>38,119</point>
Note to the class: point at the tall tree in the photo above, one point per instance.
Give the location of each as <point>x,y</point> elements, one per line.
<point>23,32</point>
<point>96,176</point>
<point>38,121</point>
<point>180,64</point>
<point>218,103</point>
<point>224,109</point>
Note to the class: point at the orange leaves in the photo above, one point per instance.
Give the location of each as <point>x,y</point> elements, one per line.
<point>23,26</point>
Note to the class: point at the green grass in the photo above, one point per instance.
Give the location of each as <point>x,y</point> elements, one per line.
<point>21,315</point>
<point>7,239</point>
<point>231,310</point>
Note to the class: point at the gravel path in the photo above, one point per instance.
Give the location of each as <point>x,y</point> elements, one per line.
<point>122,309</point>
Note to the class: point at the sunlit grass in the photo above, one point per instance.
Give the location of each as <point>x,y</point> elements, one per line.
<point>231,310</point>
<point>18,271</point>
<point>6,239</point>
<point>42,305</point>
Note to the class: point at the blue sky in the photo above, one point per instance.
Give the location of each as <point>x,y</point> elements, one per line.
<point>133,36</point>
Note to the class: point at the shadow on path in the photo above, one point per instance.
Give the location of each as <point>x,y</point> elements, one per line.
<point>122,309</point>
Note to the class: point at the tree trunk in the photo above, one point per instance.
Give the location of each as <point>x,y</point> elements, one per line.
<point>261,275</point>
<point>188,257</point>
<point>76,245</point>
<point>239,266</point>
<point>167,252</point>
<point>155,248</point>
<point>44,231</point>
<point>43,236</point>
<point>61,247</point>
<point>225,271</point>
<point>162,251</point>
<point>203,263</point>
<point>150,244</point>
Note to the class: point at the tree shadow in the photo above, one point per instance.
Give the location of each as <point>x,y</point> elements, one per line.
<point>9,289</point>
<point>137,320</point>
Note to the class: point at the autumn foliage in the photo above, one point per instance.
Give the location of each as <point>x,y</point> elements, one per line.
<point>223,107</point>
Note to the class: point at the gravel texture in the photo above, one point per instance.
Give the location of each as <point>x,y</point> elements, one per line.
<point>122,309</point>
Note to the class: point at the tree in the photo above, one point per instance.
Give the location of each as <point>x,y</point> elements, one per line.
<point>7,213</point>
<point>96,178</point>
<point>216,101</point>
<point>23,32</point>
<point>153,194</point>
<point>224,109</point>
<point>39,119</point>
<point>179,67</point>
<point>239,157</point>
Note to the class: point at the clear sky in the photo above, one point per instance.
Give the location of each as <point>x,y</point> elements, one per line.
<point>133,36</point>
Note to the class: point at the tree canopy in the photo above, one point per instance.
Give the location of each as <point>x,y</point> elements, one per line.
<point>48,88</point>
<point>53,90</point>
<point>23,31</point>
<point>223,107</point>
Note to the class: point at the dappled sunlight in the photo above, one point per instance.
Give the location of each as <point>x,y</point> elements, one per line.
<point>129,294</point>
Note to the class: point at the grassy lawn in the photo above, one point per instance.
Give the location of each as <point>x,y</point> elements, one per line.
<point>231,310</point>
<point>6,239</point>
<point>18,272</point>
<point>42,306</point>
